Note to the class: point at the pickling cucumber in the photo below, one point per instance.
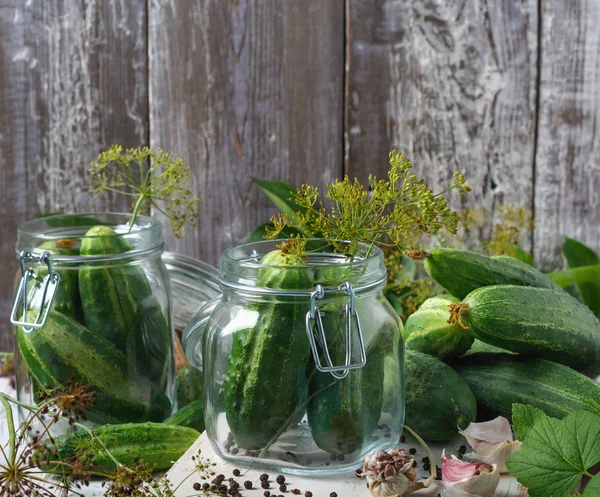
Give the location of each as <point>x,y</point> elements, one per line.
<point>501,380</point>
<point>534,321</point>
<point>461,271</point>
<point>268,361</point>
<point>427,330</point>
<point>63,349</point>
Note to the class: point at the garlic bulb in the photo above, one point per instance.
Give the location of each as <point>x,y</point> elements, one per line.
<point>492,442</point>
<point>468,479</point>
<point>390,473</point>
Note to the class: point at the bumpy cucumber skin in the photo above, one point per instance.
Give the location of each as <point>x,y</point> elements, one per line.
<point>438,400</point>
<point>157,444</point>
<point>427,330</point>
<point>535,321</point>
<point>460,272</point>
<point>192,415</point>
<point>267,362</point>
<point>118,304</point>
<point>190,386</point>
<point>66,299</point>
<point>342,414</point>
<point>63,348</point>
<point>501,380</point>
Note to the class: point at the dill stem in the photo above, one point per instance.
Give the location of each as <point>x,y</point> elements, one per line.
<point>136,211</point>
<point>11,427</point>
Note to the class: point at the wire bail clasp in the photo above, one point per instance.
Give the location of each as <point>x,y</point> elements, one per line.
<point>318,334</point>
<point>49,286</point>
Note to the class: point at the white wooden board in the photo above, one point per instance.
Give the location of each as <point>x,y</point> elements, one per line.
<point>184,474</point>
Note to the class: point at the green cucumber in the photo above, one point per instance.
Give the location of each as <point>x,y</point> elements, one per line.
<point>66,298</point>
<point>534,321</point>
<point>460,271</point>
<point>438,400</point>
<point>501,380</point>
<point>63,349</point>
<point>342,414</point>
<point>427,330</point>
<point>190,386</point>
<point>119,305</point>
<point>192,415</point>
<point>157,444</point>
<point>267,362</point>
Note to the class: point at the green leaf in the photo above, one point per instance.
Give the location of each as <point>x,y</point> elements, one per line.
<point>258,234</point>
<point>593,487</point>
<point>280,194</point>
<point>578,255</point>
<point>524,418</point>
<point>584,274</point>
<point>556,453</point>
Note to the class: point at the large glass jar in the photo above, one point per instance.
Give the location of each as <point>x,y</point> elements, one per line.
<point>93,307</point>
<point>303,365</point>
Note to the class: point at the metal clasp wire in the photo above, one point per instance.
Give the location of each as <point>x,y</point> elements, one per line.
<point>49,285</point>
<point>337,371</point>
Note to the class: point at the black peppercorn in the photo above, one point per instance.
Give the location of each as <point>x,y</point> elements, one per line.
<point>264,477</point>
<point>402,439</point>
<point>236,472</point>
<point>414,464</point>
<point>332,494</point>
<point>308,493</point>
<point>196,486</point>
<point>462,449</point>
<point>412,451</point>
<point>282,488</point>
<point>296,491</point>
<point>248,484</point>
<point>267,493</point>
<point>213,487</point>
<point>205,486</point>
<point>341,457</point>
<point>264,484</point>
<point>235,450</point>
<point>426,466</point>
<point>223,489</point>
<point>280,479</point>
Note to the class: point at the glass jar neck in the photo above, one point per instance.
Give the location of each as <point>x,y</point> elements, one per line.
<point>63,235</point>
<point>242,270</point>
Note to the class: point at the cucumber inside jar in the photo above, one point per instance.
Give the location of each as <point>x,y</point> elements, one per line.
<point>278,406</point>
<point>106,329</point>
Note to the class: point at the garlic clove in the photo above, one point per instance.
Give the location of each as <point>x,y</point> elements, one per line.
<point>468,479</point>
<point>492,442</point>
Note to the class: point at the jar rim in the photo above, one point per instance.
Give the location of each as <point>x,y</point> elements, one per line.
<point>228,254</point>
<point>145,236</point>
<point>241,268</point>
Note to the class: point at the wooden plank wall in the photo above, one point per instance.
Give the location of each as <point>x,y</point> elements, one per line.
<point>303,90</point>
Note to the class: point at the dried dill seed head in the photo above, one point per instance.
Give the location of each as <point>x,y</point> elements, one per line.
<point>392,212</point>
<point>153,178</point>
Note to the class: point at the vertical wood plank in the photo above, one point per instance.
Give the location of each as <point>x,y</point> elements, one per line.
<point>567,179</point>
<point>73,80</point>
<point>452,83</point>
<point>244,89</point>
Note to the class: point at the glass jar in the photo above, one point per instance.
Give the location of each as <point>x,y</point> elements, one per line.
<point>303,365</point>
<point>93,307</point>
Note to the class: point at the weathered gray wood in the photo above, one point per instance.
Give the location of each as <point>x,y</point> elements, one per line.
<point>451,84</point>
<point>567,179</point>
<point>241,89</point>
<point>73,80</point>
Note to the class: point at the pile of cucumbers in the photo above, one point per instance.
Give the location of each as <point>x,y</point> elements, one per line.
<point>506,333</point>
<point>106,330</point>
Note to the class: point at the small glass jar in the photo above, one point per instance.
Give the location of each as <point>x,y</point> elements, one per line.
<point>303,365</point>
<point>93,307</point>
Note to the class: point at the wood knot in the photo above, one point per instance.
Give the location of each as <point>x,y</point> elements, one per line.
<point>456,313</point>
